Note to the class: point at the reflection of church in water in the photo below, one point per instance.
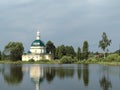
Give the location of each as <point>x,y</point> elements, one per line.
<point>36,75</point>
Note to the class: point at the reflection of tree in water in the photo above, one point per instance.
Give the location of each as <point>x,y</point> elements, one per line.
<point>79,71</point>
<point>86,74</point>
<point>62,72</point>
<point>105,83</point>
<point>50,74</point>
<point>13,75</point>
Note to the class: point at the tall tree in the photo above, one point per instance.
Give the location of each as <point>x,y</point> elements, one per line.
<point>3,56</point>
<point>104,43</point>
<point>14,50</point>
<point>79,53</point>
<point>50,48</point>
<point>70,51</point>
<point>85,52</point>
<point>0,55</point>
<point>64,51</point>
<point>60,52</point>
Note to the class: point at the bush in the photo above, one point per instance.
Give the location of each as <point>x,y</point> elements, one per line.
<point>92,60</point>
<point>75,59</point>
<point>31,60</point>
<point>67,60</point>
<point>118,58</point>
<point>100,59</point>
<point>112,57</point>
<point>44,61</point>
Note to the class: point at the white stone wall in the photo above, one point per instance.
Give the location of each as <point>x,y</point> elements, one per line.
<point>36,57</point>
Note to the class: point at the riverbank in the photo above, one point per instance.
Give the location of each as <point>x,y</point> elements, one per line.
<point>103,63</point>
<point>28,62</point>
<point>58,62</point>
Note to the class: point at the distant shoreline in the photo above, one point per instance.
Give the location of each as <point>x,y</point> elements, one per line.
<point>57,62</point>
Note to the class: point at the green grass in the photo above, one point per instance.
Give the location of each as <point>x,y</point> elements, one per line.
<point>112,59</point>
<point>58,62</point>
<point>27,62</point>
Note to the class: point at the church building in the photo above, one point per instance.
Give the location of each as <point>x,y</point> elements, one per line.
<point>37,51</point>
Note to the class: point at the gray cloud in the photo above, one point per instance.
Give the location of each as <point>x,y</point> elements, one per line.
<point>68,22</point>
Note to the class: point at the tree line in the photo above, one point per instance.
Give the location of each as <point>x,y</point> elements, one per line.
<point>14,50</point>
<point>62,50</point>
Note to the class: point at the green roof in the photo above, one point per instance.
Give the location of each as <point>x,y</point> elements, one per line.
<point>38,43</point>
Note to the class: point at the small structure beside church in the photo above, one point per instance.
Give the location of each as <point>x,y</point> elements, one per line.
<point>37,51</point>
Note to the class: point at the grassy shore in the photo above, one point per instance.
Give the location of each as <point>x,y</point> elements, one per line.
<point>27,62</point>
<point>112,59</point>
<point>102,62</point>
<point>58,62</point>
<point>110,63</point>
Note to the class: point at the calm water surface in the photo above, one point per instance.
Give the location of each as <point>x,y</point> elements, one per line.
<point>59,77</point>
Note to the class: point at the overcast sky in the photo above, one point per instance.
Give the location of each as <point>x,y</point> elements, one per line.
<point>68,22</point>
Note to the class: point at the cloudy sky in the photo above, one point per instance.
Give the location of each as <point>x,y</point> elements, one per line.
<point>68,22</point>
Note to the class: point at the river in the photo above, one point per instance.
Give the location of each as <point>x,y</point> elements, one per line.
<point>59,77</point>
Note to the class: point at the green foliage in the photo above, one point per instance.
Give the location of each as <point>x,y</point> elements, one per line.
<point>70,51</point>
<point>118,59</point>
<point>14,50</point>
<point>64,51</point>
<point>118,52</point>
<point>3,56</point>
<point>31,60</point>
<point>79,53</point>
<point>113,58</point>
<point>60,51</point>
<point>0,55</point>
<point>50,48</point>
<point>93,60</point>
<point>104,43</point>
<point>67,60</point>
<point>85,52</point>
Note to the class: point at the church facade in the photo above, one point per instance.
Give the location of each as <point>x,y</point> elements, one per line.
<point>37,51</point>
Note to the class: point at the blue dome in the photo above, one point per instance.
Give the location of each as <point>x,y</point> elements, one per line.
<point>38,43</point>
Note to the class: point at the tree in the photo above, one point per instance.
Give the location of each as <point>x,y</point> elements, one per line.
<point>67,60</point>
<point>3,56</point>
<point>0,55</point>
<point>104,43</point>
<point>50,48</point>
<point>64,51</point>
<point>85,52</point>
<point>70,51</point>
<point>14,50</point>
<point>117,51</point>
<point>79,53</point>
<point>60,51</point>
